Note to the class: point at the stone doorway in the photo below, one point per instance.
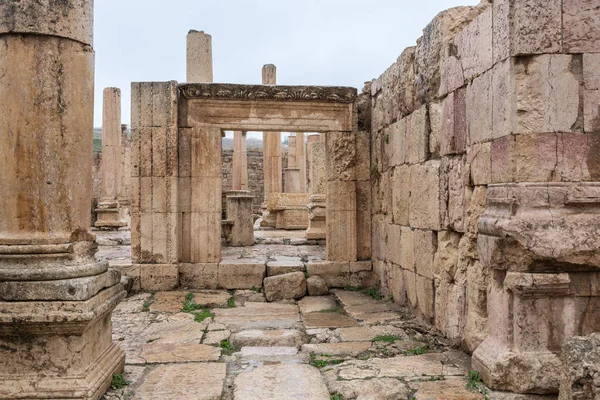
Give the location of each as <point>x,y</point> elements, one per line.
<point>177,133</point>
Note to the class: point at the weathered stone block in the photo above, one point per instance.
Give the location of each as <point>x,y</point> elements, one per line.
<point>547,93</point>
<point>503,159</point>
<point>453,137</point>
<point>425,296</point>
<point>581,26</point>
<point>454,178</point>
<point>525,27</point>
<point>241,274</point>
<point>417,131</point>
<point>450,306</point>
<point>316,286</point>
<point>425,195</point>
<point>363,156</point>
<point>591,71</point>
<point>393,243</point>
<point>198,276</point>
<point>425,247</point>
<point>335,274</point>
<point>401,195</point>
<point>286,286</point>
<point>409,281</point>
<point>159,277</point>
<point>407,249</point>
<point>396,143</point>
<point>503,116</point>
<point>284,267</point>
<point>341,235</point>
<point>479,163</point>
<point>479,109</point>
<point>341,156</point>
<point>591,112</point>
<point>435,125</point>
<point>474,46</point>
<point>581,366</point>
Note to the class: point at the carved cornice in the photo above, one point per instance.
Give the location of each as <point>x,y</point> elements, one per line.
<point>220,91</point>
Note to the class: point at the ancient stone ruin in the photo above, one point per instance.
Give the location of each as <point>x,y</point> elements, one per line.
<point>435,235</point>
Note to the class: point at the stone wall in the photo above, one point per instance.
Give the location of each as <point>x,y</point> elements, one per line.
<point>493,94</point>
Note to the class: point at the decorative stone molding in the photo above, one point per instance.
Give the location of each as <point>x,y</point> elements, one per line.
<point>220,91</point>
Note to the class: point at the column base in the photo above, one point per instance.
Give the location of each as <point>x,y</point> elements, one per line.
<point>109,218</point>
<point>59,349</point>
<point>526,372</point>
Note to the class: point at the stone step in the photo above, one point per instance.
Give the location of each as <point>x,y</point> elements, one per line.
<point>266,338</point>
<point>283,381</point>
<point>317,303</point>
<point>344,349</point>
<point>280,354</point>
<point>316,320</point>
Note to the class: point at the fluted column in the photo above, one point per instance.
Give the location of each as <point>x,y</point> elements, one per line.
<point>55,300</point>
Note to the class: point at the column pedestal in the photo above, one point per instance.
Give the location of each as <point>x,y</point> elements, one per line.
<point>317,213</point>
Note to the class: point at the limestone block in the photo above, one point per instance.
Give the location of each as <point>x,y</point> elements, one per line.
<point>547,92</point>
<point>479,109</point>
<point>435,124</point>
<point>316,286</point>
<point>425,247</point>
<point>401,194</point>
<point>591,116</point>
<point>341,156</point>
<point>404,87</point>
<point>380,234</point>
<point>417,131</point>
<point>536,157</point>
<point>425,296</point>
<point>454,179</point>
<point>591,71</point>
<point>476,328</point>
<point>503,81</point>
<point>581,26</point>
<point>450,306</point>
<point>204,237</point>
<point>396,143</point>
<point>407,249</point>
<point>241,274</point>
<point>287,286</point>
<point>453,136</point>
<point>341,196</point>
<point>341,235</point>
<point>393,251</point>
<point>445,261</point>
<point>363,220</point>
<point>479,163</point>
<point>425,195</point>
<point>437,35</point>
<point>474,45</point>
<point>525,27</point>
<point>284,267</point>
<point>409,281</point>
<point>581,364</point>
<point>503,159</point>
<point>198,276</point>
<point>335,274</point>
<point>159,277</point>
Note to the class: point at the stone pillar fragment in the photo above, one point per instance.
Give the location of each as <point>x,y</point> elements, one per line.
<point>301,160</point>
<point>240,162</point>
<point>56,301</point>
<point>318,186</point>
<point>199,57</point>
<point>108,211</point>
<point>294,171</point>
<point>272,160</point>
<point>155,235</point>
<point>240,223</point>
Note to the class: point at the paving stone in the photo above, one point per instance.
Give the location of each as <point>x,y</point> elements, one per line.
<point>133,304</point>
<point>212,298</point>
<point>352,349</point>
<point>377,318</point>
<point>171,352</point>
<point>259,316</point>
<point>262,338</point>
<point>215,326</point>
<point>214,338</point>
<point>284,381</point>
<point>316,286</point>
<point>168,302</point>
<point>273,351</point>
<point>368,333</point>
<point>327,320</point>
<point>447,389</point>
<point>243,296</point>
<point>316,303</point>
<point>181,382</point>
<point>375,389</point>
<point>177,328</point>
<point>368,308</point>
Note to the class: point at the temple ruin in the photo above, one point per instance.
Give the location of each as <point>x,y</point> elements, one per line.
<point>434,235</point>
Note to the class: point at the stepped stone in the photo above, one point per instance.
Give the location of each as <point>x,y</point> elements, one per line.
<point>327,320</point>
<point>447,389</point>
<point>284,267</point>
<point>259,316</point>
<point>317,286</point>
<point>338,349</point>
<point>168,302</point>
<point>212,298</point>
<point>180,382</point>
<point>264,338</point>
<point>286,286</point>
<point>317,303</point>
<point>284,381</point>
<point>379,389</point>
<point>214,338</point>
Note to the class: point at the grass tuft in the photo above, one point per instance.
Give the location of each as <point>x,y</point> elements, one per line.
<point>226,347</point>
<point>322,363</point>
<point>119,382</point>
<point>202,315</point>
<point>336,309</point>
<point>336,396</point>
<point>416,352</point>
<point>231,302</point>
<point>386,338</point>
<point>475,384</point>
<point>146,306</point>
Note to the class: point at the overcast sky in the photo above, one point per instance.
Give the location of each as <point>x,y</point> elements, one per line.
<point>317,42</point>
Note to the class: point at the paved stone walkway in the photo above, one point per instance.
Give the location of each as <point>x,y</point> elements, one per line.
<point>222,345</point>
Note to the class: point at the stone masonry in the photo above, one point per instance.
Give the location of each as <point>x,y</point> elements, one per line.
<point>484,170</point>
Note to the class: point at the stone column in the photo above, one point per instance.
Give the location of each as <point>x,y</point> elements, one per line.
<point>317,207</point>
<point>309,141</point>
<point>240,162</point>
<point>292,172</point>
<point>272,161</point>
<point>199,57</point>
<point>301,160</point>
<point>55,300</point>
<point>109,214</point>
